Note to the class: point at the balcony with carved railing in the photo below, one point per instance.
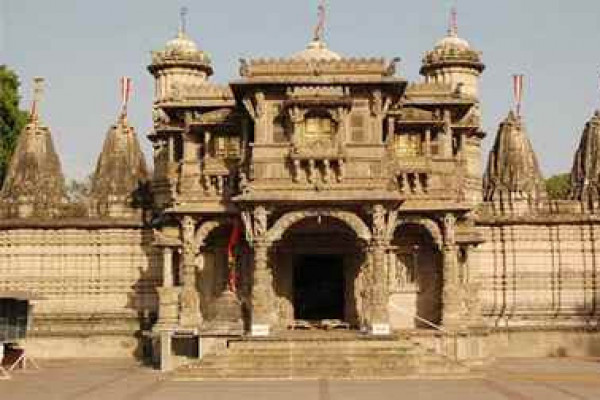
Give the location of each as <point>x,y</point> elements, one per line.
<point>323,157</point>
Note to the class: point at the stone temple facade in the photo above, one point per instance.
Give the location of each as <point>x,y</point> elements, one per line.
<point>315,187</point>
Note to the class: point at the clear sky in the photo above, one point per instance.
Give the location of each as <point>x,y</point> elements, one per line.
<point>82,47</point>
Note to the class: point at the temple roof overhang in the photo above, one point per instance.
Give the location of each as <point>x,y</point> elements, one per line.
<point>388,85</point>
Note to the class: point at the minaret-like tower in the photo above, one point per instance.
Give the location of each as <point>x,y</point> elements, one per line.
<point>179,64</point>
<point>181,73</point>
<point>454,62</point>
<point>585,175</point>
<point>34,185</point>
<point>120,182</point>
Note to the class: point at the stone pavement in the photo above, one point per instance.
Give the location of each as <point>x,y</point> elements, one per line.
<point>529,379</point>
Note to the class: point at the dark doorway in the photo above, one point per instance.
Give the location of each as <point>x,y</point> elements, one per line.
<point>319,288</point>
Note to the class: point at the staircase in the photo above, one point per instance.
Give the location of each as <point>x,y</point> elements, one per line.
<point>325,357</point>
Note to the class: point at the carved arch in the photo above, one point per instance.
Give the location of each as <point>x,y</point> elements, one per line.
<point>350,219</point>
<point>205,229</point>
<point>429,225</point>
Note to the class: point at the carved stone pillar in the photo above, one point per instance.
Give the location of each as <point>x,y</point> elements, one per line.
<point>452,317</point>
<point>168,296</point>
<point>380,323</point>
<point>262,287</point>
<point>190,316</point>
<point>167,267</point>
<point>447,137</point>
<point>190,168</point>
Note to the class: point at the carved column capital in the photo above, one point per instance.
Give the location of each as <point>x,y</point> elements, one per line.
<point>260,221</point>
<point>449,223</point>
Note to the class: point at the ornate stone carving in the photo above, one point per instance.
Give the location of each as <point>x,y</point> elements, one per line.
<point>352,220</point>
<point>188,230</point>
<point>260,222</point>
<point>379,222</point>
<point>431,226</point>
<point>450,229</point>
<point>205,229</point>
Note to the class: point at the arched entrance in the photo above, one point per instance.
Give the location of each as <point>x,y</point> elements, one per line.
<point>318,263</point>
<point>416,275</point>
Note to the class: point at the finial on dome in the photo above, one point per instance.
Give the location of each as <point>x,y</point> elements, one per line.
<point>453,24</point>
<point>38,92</point>
<point>518,92</point>
<point>183,19</point>
<point>320,28</point>
<point>126,86</point>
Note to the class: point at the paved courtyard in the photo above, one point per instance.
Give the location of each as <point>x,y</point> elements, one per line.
<point>549,379</point>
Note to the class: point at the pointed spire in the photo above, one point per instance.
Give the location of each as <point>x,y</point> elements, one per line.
<point>38,93</point>
<point>453,22</point>
<point>513,174</point>
<point>319,33</point>
<point>34,184</point>
<point>183,20</point>
<point>126,87</point>
<point>119,184</point>
<point>585,174</point>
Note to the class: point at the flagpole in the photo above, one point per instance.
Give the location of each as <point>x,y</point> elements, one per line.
<point>518,92</point>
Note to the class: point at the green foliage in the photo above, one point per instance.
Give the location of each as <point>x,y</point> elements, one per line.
<point>79,191</point>
<point>558,186</point>
<point>12,119</point>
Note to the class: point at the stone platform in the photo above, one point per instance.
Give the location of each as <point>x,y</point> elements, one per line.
<point>321,355</point>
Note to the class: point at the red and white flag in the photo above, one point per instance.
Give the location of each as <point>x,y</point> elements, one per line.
<point>126,86</point>
<point>518,91</point>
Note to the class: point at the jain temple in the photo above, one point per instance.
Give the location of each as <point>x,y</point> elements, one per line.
<point>318,206</point>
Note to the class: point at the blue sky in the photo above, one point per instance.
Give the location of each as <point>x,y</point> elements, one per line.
<point>82,47</point>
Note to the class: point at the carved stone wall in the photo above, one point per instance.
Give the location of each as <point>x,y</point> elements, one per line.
<point>539,274</point>
<point>92,281</point>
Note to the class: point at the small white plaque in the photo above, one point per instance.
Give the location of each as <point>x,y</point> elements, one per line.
<point>260,330</point>
<point>380,329</point>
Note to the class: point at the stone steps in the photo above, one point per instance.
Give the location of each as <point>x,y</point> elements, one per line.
<point>306,359</point>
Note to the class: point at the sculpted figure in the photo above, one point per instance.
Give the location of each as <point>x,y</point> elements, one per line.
<point>260,221</point>
<point>188,228</point>
<point>449,228</point>
<point>379,226</point>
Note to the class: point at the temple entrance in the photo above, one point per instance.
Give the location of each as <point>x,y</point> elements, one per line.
<point>318,275</point>
<point>319,287</point>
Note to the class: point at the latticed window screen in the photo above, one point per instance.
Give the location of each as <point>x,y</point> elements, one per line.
<point>357,127</point>
<point>408,145</point>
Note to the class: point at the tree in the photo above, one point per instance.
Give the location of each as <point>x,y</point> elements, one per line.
<point>12,119</point>
<point>558,186</point>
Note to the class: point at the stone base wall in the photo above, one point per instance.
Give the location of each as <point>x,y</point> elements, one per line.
<point>536,273</point>
<point>97,286</point>
<point>95,346</point>
<point>543,343</point>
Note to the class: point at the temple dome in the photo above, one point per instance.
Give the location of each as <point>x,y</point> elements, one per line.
<point>181,44</point>
<point>317,50</point>
<point>453,41</point>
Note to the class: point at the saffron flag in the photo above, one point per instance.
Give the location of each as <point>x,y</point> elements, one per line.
<point>518,91</point>
<point>234,239</point>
